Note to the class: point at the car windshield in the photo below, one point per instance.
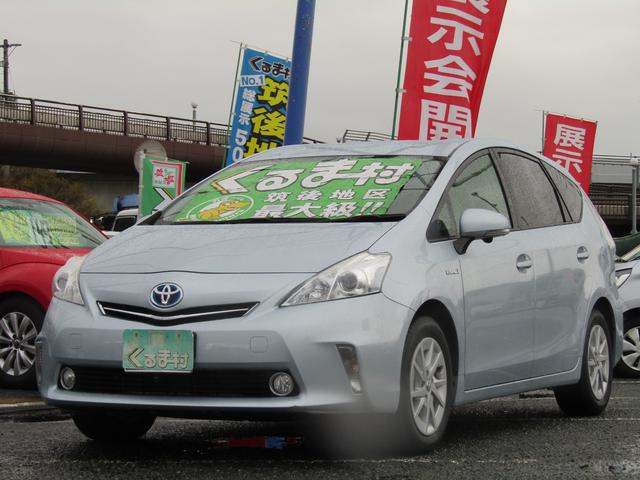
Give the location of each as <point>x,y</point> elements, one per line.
<point>318,189</point>
<point>41,224</point>
<point>630,256</point>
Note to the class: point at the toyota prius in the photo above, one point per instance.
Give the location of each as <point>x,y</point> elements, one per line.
<point>390,278</point>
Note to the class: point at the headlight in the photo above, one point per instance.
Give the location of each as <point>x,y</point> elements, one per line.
<point>65,281</point>
<point>622,276</point>
<point>359,275</point>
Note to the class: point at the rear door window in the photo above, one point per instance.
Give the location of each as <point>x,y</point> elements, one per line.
<point>532,197</point>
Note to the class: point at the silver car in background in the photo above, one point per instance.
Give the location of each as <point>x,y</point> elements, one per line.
<point>628,279</point>
<point>393,278</point>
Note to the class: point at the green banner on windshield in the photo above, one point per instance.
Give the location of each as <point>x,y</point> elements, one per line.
<point>334,189</point>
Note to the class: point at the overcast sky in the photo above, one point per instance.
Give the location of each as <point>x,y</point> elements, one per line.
<point>579,57</point>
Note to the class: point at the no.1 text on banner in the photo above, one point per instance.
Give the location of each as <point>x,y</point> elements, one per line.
<point>260,109</point>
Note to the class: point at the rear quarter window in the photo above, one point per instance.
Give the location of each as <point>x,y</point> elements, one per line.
<point>569,191</point>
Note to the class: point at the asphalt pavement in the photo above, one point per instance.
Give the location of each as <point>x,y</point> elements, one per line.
<point>521,436</point>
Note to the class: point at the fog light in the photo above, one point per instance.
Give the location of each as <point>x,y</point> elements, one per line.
<point>351,366</point>
<point>281,384</point>
<point>67,378</point>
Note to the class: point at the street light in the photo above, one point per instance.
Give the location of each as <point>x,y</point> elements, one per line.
<point>194,105</point>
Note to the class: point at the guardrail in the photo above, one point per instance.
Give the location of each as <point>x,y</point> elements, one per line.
<point>110,121</point>
<point>361,136</point>
<point>613,206</point>
<point>87,118</point>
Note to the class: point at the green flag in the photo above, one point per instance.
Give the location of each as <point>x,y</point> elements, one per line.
<point>162,179</point>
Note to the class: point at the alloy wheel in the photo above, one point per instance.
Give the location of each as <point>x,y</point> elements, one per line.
<point>17,344</point>
<point>598,362</point>
<point>631,348</point>
<point>428,386</point>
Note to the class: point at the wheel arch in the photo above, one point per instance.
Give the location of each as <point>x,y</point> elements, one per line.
<point>441,314</point>
<point>631,314</point>
<point>604,307</point>
<point>21,295</point>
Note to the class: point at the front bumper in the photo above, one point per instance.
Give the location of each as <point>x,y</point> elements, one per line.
<point>301,340</point>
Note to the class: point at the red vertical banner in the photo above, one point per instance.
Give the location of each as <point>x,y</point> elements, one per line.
<point>569,142</point>
<point>448,58</point>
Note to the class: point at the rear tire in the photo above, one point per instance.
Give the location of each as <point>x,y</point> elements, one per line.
<point>629,364</point>
<point>20,322</point>
<point>589,397</point>
<point>113,426</point>
<point>426,388</point>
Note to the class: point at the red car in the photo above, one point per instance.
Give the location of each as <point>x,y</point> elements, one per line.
<point>37,236</point>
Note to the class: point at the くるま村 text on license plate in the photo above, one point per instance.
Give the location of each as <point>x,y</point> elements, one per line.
<point>157,350</point>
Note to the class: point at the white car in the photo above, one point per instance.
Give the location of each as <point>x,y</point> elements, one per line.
<point>124,219</point>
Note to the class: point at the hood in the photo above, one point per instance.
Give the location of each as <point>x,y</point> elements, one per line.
<point>233,248</point>
<point>52,256</point>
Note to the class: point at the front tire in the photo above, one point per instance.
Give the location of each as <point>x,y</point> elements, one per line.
<point>426,387</point>
<point>106,426</point>
<point>629,364</point>
<point>20,321</point>
<point>590,396</point>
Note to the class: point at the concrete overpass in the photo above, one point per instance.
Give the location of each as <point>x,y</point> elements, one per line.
<point>81,138</point>
<point>57,135</point>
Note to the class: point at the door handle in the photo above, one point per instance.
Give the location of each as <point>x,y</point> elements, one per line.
<point>582,253</point>
<point>523,262</point>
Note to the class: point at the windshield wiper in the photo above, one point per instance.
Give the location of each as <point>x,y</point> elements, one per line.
<point>373,218</point>
<point>362,218</point>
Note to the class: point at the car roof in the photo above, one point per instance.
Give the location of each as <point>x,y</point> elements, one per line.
<point>127,211</point>
<point>441,148</point>
<point>386,147</point>
<point>12,193</point>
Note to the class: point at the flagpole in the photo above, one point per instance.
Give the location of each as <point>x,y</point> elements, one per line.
<point>300,60</point>
<point>543,119</point>
<point>402,40</point>
<point>233,101</point>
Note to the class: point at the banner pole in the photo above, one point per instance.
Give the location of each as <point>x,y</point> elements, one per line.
<point>233,101</point>
<point>300,60</point>
<point>542,146</point>
<point>402,40</point>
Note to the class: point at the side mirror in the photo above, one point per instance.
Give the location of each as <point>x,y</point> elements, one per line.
<point>480,224</point>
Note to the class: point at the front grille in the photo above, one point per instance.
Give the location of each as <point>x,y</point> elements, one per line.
<point>199,383</point>
<point>177,317</point>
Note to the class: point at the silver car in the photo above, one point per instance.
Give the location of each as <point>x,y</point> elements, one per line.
<point>394,278</point>
<point>628,277</point>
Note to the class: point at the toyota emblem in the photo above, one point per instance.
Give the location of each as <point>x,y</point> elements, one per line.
<point>166,295</point>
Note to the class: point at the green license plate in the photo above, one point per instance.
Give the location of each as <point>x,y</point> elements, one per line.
<point>157,350</point>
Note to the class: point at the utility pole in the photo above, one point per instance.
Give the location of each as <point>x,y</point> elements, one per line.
<point>5,63</point>
<point>634,194</point>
